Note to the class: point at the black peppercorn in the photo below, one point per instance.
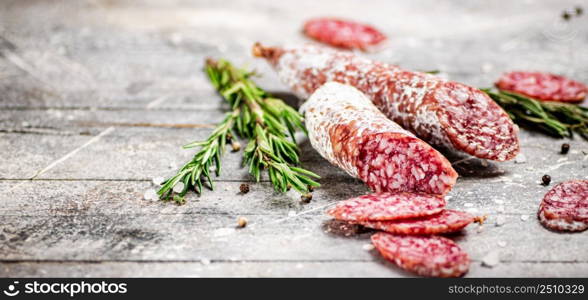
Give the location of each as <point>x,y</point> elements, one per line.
<point>579,10</point>
<point>565,15</point>
<point>546,179</point>
<point>565,148</point>
<point>244,188</point>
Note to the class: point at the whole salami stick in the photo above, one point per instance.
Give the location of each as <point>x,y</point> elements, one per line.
<point>348,130</point>
<point>444,113</point>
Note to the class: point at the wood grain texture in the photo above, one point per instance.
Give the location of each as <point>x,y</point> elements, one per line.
<point>97,97</point>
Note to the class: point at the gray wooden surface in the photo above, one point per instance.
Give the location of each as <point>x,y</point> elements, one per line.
<point>90,92</point>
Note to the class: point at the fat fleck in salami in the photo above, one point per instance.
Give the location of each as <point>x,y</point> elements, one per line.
<point>543,86</point>
<point>387,206</point>
<point>565,207</point>
<point>444,113</point>
<point>432,256</point>
<point>350,132</point>
<point>445,222</point>
<point>343,33</point>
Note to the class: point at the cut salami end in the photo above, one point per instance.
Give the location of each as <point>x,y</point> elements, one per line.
<point>348,130</point>
<point>343,33</point>
<point>444,113</point>
<point>432,256</point>
<point>389,162</point>
<point>565,206</point>
<point>543,86</point>
<point>473,123</point>
<point>387,206</point>
<point>445,222</point>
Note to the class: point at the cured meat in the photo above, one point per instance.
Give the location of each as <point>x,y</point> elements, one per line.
<point>387,206</point>
<point>351,133</point>
<point>432,256</point>
<point>445,222</point>
<point>444,113</point>
<point>565,206</point>
<point>543,86</point>
<point>561,224</point>
<point>342,33</point>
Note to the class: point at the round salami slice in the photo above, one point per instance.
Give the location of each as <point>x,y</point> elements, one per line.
<point>445,222</point>
<point>543,86</point>
<point>343,33</point>
<point>432,256</point>
<point>387,206</point>
<point>565,206</point>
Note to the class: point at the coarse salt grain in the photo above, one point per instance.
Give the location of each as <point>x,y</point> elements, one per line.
<point>491,259</point>
<point>368,247</point>
<point>500,220</point>
<point>157,180</point>
<point>150,195</point>
<point>520,159</point>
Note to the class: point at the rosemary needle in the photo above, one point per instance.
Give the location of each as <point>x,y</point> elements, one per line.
<point>267,123</point>
<point>555,118</point>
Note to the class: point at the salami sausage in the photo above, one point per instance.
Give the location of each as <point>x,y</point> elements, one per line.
<point>343,34</point>
<point>444,113</point>
<point>445,222</point>
<point>387,206</point>
<point>351,133</point>
<point>565,206</point>
<point>543,86</point>
<point>432,256</point>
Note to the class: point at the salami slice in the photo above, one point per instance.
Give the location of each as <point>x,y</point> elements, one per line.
<point>343,33</point>
<point>543,86</point>
<point>565,206</point>
<point>351,133</point>
<point>444,113</point>
<point>432,256</point>
<point>387,206</point>
<point>445,222</point>
<point>560,224</point>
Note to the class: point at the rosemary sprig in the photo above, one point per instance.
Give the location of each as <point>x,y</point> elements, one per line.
<point>267,123</point>
<point>555,118</point>
<point>193,172</point>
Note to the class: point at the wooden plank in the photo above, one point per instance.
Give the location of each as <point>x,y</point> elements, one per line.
<point>46,198</point>
<point>269,269</point>
<point>91,121</point>
<point>23,155</point>
<point>163,237</point>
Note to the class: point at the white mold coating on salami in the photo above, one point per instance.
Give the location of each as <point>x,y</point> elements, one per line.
<point>350,132</point>
<point>432,256</point>
<point>444,113</point>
